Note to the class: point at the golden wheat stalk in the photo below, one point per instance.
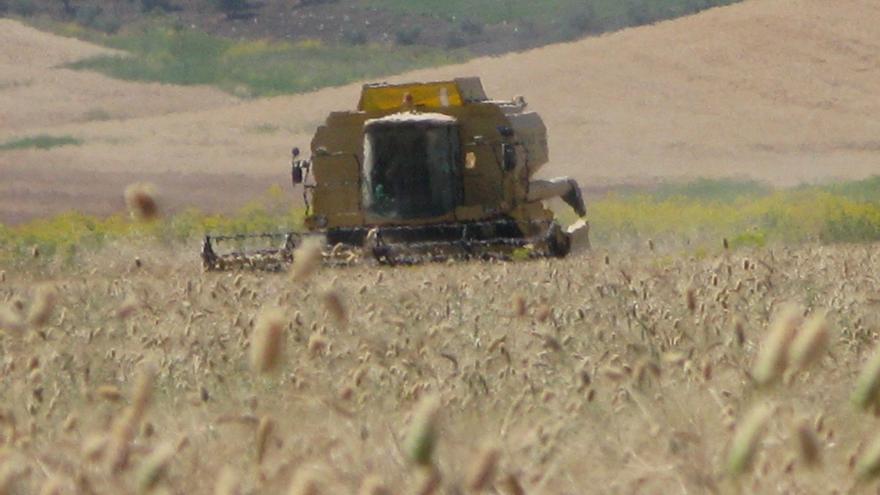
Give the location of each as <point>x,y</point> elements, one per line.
<point>127,423</point>
<point>41,309</point>
<point>154,468</point>
<point>52,486</point>
<point>867,392</point>
<point>268,340</point>
<point>373,485</point>
<point>519,306</point>
<point>333,302</point>
<point>307,259</point>
<point>264,432</point>
<point>868,465</point>
<point>811,341</point>
<point>422,437</point>
<point>512,486</point>
<point>808,444</point>
<point>429,481</point>
<point>746,439</point>
<point>109,393</point>
<point>483,470</point>
<point>227,483</point>
<point>773,357</point>
<point>11,321</point>
<point>304,482</point>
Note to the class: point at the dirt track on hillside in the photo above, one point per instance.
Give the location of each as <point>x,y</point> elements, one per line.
<point>784,92</point>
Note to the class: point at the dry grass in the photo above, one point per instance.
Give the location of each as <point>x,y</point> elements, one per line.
<point>469,377</point>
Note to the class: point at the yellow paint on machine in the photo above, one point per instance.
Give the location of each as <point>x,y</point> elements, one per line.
<point>382,98</point>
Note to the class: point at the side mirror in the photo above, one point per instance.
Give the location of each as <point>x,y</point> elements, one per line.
<point>296,169</point>
<point>508,153</point>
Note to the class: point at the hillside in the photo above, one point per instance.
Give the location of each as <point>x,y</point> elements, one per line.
<point>481,26</point>
<point>783,92</point>
<point>35,89</point>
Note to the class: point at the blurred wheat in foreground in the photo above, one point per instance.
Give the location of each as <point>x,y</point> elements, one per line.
<point>647,370</point>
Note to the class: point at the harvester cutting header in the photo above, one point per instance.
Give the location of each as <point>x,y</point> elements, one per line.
<point>424,171</point>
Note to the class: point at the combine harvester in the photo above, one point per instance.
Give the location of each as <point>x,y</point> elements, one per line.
<point>422,172</point>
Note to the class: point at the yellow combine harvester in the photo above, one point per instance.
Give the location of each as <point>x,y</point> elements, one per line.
<point>424,171</point>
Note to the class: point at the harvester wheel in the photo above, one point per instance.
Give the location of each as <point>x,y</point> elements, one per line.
<point>558,241</point>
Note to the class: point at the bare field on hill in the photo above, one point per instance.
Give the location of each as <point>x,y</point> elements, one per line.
<point>783,92</point>
<point>24,196</point>
<point>36,91</point>
<point>634,373</point>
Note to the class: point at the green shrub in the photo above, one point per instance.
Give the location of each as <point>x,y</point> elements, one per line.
<point>87,14</point>
<point>471,27</point>
<point>746,214</point>
<point>264,128</point>
<point>550,15</point>
<point>713,189</point>
<point>753,238</point>
<point>640,12</point>
<point>68,8</point>
<point>251,68</point>
<point>354,37</point>
<point>23,8</point>
<point>166,53</point>
<point>96,114</point>
<point>70,233</point>
<point>585,21</point>
<point>455,40</point>
<point>852,223</point>
<point>42,142</point>
<point>232,8</point>
<point>156,5</point>
<point>407,35</point>
<point>862,190</point>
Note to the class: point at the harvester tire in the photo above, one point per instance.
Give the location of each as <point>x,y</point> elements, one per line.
<point>558,242</point>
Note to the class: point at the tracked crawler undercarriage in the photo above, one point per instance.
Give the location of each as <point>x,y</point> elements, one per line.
<point>420,172</point>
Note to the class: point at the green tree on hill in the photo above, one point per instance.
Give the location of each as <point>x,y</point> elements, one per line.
<point>233,8</point>
<point>159,5</point>
<point>68,9</point>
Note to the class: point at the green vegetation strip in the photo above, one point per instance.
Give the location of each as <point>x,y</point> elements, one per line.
<point>67,234</point>
<point>745,213</point>
<point>160,49</point>
<point>41,142</point>
<point>591,15</point>
<point>178,55</point>
<point>698,214</point>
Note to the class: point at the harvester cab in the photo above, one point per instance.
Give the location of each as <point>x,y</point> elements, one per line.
<point>426,171</point>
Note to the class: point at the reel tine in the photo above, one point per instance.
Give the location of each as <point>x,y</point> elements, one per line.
<point>271,256</point>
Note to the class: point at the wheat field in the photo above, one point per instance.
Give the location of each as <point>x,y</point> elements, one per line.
<point>632,370</point>
<point>659,365</point>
